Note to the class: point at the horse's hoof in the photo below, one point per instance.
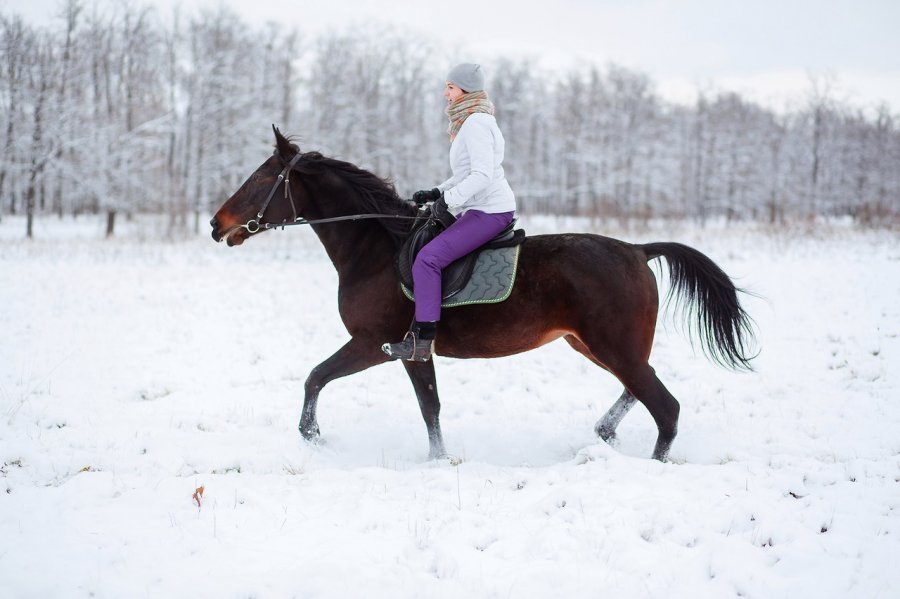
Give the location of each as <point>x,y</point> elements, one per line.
<point>446,457</point>
<point>608,435</point>
<point>310,433</point>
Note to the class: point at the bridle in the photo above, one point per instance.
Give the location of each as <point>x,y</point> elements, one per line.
<point>254,225</point>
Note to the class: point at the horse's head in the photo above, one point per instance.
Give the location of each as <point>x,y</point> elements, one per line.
<point>246,212</point>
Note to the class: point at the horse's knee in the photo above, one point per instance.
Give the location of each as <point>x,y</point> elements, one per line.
<point>314,382</point>
<point>427,262</point>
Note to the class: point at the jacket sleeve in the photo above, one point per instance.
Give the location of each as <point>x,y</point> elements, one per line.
<point>447,184</point>
<point>479,144</point>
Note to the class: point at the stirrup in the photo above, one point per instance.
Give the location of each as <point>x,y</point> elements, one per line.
<point>411,349</point>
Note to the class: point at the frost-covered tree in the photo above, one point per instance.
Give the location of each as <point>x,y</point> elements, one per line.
<point>17,44</point>
<point>373,98</point>
<point>130,110</point>
<point>524,115</point>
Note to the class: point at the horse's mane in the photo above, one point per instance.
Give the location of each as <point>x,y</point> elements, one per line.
<point>373,193</point>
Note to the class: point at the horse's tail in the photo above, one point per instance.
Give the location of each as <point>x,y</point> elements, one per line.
<point>725,329</point>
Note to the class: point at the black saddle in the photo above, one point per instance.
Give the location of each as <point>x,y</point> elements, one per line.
<point>457,274</point>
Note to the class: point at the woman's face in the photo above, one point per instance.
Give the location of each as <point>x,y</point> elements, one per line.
<point>452,93</point>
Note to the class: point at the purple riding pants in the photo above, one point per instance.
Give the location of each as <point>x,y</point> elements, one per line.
<point>470,231</point>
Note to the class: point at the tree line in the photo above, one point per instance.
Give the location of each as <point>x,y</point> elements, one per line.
<point>124,110</point>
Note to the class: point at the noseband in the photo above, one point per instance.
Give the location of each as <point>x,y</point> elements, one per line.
<point>255,224</point>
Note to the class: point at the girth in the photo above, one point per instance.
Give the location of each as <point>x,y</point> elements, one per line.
<point>455,276</point>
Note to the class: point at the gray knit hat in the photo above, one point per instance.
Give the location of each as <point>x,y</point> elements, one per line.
<point>467,76</point>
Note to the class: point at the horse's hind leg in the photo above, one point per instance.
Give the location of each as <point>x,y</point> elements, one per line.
<point>425,384</point>
<point>643,384</point>
<point>606,426</point>
<point>640,384</point>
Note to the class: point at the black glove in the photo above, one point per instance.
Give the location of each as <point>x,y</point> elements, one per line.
<point>426,195</point>
<point>441,213</point>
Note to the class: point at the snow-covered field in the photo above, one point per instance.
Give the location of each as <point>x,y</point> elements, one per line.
<point>134,371</point>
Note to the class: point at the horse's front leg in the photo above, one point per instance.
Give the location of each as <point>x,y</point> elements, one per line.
<point>355,356</point>
<point>425,384</point>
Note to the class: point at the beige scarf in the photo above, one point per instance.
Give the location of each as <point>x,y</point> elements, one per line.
<point>467,104</point>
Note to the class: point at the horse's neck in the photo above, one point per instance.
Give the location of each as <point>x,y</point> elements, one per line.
<point>356,248</point>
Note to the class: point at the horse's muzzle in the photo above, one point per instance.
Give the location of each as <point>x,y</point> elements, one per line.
<point>215,229</point>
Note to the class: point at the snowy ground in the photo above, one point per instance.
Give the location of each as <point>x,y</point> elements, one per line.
<point>134,371</point>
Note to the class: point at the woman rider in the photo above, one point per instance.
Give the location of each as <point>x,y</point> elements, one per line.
<point>477,192</point>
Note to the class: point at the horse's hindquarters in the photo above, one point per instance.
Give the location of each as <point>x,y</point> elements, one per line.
<point>597,289</point>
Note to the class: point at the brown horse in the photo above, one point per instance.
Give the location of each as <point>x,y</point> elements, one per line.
<point>595,292</point>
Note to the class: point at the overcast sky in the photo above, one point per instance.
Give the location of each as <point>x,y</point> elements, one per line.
<point>765,49</point>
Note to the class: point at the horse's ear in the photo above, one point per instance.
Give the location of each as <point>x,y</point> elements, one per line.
<point>282,144</point>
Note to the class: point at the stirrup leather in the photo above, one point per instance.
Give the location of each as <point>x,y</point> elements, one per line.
<point>411,349</point>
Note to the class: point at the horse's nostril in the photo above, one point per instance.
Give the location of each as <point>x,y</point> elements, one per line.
<point>213,222</point>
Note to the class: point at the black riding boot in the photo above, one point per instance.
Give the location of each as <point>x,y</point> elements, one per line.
<point>416,345</point>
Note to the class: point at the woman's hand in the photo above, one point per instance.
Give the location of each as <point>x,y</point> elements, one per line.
<point>426,195</point>
<point>441,213</point>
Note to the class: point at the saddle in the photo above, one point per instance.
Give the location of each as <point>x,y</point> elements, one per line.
<point>455,277</point>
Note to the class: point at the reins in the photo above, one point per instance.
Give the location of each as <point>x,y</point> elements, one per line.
<point>255,224</point>
<point>334,219</point>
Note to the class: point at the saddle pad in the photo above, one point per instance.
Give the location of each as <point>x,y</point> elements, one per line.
<point>491,281</point>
